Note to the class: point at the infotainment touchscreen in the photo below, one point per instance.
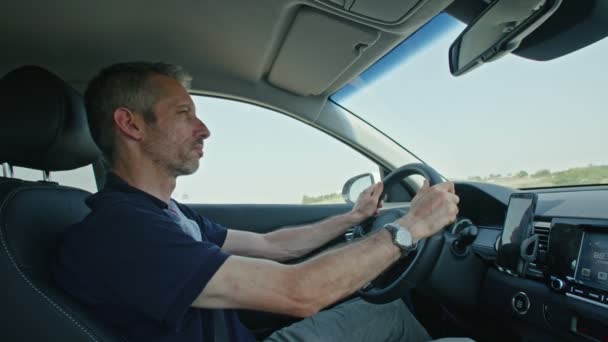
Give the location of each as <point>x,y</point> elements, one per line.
<point>592,268</point>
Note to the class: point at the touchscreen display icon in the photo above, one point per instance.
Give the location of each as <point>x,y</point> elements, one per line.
<point>593,260</point>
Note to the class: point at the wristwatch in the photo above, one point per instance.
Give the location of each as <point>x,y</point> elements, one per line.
<point>402,238</point>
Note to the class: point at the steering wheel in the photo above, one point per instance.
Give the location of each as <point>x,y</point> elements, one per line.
<point>405,273</point>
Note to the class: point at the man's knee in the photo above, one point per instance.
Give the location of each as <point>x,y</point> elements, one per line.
<point>399,308</point>
<point>399,305</point>
<point>395,309</point>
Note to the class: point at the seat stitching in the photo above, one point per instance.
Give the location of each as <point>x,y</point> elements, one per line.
<point>27,280</point>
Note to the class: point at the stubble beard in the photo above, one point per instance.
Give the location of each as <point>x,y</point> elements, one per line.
<point>176,160</point>
<point>184,168</point>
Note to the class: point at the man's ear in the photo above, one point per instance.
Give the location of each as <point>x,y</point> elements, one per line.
<point>129,123</point>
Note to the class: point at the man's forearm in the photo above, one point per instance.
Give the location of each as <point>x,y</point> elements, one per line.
<point>302,289</point>
<point>289,243</point>
<point>329,277</point>
<point>293,242</point>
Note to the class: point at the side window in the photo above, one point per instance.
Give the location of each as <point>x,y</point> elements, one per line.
<point>82,178</point>
<point>256,155</point>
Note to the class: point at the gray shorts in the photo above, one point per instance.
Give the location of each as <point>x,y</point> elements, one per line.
<point>358,320</point>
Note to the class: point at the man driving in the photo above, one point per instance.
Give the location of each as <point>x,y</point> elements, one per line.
<point>155,270</point>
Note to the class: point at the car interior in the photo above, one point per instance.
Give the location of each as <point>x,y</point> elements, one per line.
<point>291,56</point>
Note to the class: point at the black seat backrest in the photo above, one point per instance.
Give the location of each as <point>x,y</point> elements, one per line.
<point>42,126</point>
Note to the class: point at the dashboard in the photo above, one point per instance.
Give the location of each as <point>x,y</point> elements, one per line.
<point>562,293</point>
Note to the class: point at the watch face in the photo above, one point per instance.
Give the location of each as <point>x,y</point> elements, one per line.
<point>403,238</point>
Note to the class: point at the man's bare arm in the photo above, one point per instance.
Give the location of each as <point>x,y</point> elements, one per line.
<point>287,243</point>
<point>298,290</point>
<point>306,288</point>
<point>293,242</point>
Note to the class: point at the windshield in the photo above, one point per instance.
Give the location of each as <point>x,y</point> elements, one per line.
<point>515,122</point>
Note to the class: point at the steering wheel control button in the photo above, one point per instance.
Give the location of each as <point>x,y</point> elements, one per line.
<point>520,303</point>
<point>349,235</point>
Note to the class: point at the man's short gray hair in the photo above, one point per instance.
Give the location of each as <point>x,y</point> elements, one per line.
<point>125,85</point>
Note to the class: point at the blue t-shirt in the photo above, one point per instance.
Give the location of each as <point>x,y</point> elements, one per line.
<point>139,272</point>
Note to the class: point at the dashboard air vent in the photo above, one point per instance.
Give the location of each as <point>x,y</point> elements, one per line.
<point>542,229</point>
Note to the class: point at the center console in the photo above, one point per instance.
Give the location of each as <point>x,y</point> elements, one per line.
<point>577,259</point>
<point>567,257</point>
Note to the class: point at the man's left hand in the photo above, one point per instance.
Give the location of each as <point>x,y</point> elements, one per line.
<point>367,203</point>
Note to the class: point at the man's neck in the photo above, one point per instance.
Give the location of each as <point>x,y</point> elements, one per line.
<point>151,180</point>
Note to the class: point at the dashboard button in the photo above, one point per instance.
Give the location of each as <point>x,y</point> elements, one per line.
<point>595,296</point>
<point>520,303</point>
<point>580,292</point>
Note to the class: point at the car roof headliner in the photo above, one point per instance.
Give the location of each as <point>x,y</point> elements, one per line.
<point>229,46</point>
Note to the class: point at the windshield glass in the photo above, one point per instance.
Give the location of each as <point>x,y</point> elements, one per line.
<point>515,121</point>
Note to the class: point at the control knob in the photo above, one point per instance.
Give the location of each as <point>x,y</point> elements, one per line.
<point>557,284</point>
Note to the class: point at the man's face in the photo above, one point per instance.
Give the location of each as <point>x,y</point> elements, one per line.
<point>175,140</point>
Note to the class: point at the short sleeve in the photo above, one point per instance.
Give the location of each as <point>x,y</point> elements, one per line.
<point>149,264</point>
<point>215,232</point>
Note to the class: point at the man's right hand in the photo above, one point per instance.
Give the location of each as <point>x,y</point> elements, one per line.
<point>431,209</point>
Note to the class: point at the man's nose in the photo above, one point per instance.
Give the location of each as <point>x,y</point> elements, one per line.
<point>201,129</point>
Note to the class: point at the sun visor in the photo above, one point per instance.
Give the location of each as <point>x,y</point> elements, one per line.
<point>318,48</point>
<point>384,11</point>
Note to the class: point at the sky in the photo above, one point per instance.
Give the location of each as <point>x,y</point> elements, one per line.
<point>509,115</point>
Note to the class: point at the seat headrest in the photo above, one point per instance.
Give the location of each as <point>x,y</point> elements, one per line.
<point>43,122</point>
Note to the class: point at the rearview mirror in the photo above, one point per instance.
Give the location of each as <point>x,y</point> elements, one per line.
<point>355,186</point>
<point>497,31</point>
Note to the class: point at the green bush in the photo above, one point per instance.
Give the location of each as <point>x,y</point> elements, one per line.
<point>542,173</point>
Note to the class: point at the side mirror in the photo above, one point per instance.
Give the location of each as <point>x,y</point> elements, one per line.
<point>355,186</point>
<point>497,31</point>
